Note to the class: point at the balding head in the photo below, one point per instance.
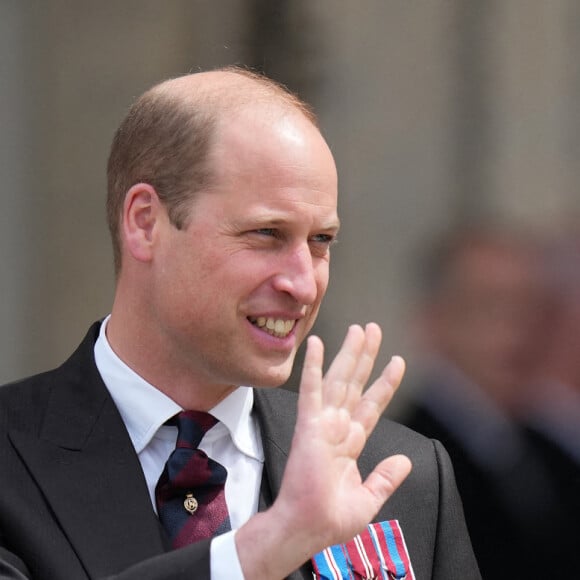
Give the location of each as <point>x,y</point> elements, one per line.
<point>228,89</point>
<point>166,137</point>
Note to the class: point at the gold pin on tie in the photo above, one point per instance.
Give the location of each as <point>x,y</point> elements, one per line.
<point>190,503</point>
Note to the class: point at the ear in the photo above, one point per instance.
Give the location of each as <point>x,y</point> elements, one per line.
<point>143,213</point>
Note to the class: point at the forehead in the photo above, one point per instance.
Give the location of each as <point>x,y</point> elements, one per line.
<point>271,132</point>
<point>271,152</point>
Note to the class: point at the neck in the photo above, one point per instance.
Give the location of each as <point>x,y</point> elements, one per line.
<point>132,343</point>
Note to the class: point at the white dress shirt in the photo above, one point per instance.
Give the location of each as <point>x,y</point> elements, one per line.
<point>234,442</point>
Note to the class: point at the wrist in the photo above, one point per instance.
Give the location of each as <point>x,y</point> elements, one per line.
<point>270,548</point>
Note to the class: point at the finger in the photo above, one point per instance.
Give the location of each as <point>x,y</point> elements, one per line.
<point>375,400</point>
<point>341,370</point>
<point>310,391</point>
<point>386,478</point>
<point>364,367</point>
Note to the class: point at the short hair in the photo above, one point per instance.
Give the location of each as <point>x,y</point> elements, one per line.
<point>165,141</point>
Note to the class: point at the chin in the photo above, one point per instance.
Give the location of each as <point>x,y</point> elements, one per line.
<point>273,379</point>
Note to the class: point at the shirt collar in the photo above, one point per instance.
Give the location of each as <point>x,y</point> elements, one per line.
<point>144,408</point>
<point>235,412</point>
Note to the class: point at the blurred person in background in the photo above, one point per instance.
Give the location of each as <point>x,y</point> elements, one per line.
<point>481,327</point>
<point>551,408</point>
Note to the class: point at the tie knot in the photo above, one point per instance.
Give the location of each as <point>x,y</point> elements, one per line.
<point>192,426</point>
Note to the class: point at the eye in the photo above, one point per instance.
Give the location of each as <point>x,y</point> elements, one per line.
<point>266,237</point>
<point>267,232</point>
<point>326,239</point>
<point>320,244</point>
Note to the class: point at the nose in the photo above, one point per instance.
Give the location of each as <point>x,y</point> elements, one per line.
<point>298,275</point>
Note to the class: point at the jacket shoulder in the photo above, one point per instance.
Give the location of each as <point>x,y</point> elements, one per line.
<point>24,401</point>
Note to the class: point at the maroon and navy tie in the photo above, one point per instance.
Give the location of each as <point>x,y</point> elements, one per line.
<point>190,493</point>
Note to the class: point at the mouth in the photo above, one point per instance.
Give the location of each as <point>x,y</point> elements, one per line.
<point>277,327</point>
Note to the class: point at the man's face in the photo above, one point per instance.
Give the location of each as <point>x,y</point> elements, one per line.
<point>492,321</point>
<point>238,289</point>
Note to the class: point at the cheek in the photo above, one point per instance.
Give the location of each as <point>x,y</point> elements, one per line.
<point>322,279</point>
<point>185,283</point>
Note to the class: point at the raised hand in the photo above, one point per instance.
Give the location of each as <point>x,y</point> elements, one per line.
<point>323,500</point>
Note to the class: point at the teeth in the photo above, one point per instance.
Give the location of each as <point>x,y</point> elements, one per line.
<point>274,326</point>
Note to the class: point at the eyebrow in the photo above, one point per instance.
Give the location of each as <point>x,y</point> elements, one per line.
<point>332,225</point>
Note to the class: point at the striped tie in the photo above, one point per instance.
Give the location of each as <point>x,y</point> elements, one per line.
<point>190,494</point>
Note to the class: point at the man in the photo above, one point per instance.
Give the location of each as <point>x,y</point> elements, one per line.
<point>222,207</point>
<point>551,410</point>
<point>552,406</point>
<point>482,323</point>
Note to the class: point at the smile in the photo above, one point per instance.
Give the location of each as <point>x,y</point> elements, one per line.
<point>274,326</point>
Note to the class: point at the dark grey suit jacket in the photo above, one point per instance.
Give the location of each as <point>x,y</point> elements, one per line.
<point>74,503</point>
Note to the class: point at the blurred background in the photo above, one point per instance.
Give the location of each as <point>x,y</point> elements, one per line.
<point>456,130</point>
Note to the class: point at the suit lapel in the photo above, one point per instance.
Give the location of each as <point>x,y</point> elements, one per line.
<point>276,412</point>
<point>83,461</point>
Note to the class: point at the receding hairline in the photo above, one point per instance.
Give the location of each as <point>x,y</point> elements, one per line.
<point>224,90</point>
